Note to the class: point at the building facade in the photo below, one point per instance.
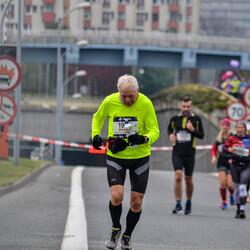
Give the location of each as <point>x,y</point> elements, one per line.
<point>142,16</point>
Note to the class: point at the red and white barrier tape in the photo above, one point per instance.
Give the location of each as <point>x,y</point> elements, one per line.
<point>44,140</point>
<point>72,144</point>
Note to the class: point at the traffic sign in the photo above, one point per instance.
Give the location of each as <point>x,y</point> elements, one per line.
<point>8,109</point>
<point>246,97</point>
<point>236,111</point>
<point>10,73</point>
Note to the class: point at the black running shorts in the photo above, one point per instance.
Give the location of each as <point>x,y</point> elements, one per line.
<point>138,172</point>
<point>184,161</point>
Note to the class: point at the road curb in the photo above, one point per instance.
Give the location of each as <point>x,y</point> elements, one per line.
<point>25,180</point>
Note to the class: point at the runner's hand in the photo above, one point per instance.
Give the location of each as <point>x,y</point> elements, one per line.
<point>136,139</point>
<point>97,142</point>
<point>117,144</point>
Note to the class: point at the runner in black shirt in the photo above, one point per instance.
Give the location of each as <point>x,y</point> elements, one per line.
<point>183,130</point>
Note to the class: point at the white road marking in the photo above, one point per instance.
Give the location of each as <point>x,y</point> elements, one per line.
<point>75,234</point>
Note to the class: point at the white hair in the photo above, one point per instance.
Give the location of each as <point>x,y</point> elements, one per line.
<point>128,80</point>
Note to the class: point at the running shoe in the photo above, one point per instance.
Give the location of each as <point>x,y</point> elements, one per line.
<point>237,216</point>
<point>223,206</point>
<point>178,209</point>
<point>242,214</point>
<point>187,210</point>
<point>112,241</point>
<point>231,200</point>
<point>126,243</point>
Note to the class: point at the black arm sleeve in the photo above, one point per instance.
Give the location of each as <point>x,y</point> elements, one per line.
<point>200,132</point>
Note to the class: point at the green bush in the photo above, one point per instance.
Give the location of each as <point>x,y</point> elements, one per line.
<point>204,98</point>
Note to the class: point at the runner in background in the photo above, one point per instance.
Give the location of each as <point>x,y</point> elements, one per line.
<point>183,130</point>
<point>239,145</point>
<point>221,160</point>
<point>248,133</point>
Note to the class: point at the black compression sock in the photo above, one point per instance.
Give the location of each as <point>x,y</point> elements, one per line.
<point>131,221</point>
<point>115,212</point>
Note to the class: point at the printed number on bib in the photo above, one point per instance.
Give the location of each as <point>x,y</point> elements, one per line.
<point>119,126</point>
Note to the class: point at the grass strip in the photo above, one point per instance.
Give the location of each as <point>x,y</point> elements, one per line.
<point>10,174</point>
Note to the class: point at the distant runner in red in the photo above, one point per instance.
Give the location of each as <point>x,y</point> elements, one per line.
<point>239,147</point>
<point>221,159</point>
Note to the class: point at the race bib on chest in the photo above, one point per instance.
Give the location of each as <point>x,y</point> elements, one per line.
<point>119,126</point>
<point>183,136</point>
<point>241,151</point>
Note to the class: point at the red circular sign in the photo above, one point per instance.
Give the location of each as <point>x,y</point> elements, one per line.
<point>10,73</point>
<point>246,96</point>
<point>236,111</point>
<point>8,109</point>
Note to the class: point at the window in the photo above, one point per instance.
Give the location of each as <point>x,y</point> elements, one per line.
<point>47,8</point>
<point>34,9</point>
<point>121,16</point>
<point>189,2</point>
<point>87,15</point>
<point>28,9</point>
<point>140,4</point>
<point>155,17</point>
<point>173,1</point>
<point>11,12</point>
<point>106,4</point>
<point>27,27</point>
<point>189,18</point>
<point>141,18</point>
<point>158,2</point>
<point>174,16</point>
<point>107,17</point>
<point>123,1</point>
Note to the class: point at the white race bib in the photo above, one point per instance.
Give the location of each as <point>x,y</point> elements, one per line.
<point>183,136</point>
<point>119,126</point>
<point>241,151</point>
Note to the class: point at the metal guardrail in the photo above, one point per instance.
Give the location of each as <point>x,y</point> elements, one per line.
<point>135,38</point>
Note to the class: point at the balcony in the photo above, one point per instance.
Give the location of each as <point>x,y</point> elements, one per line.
<point>121,8</point>
<point>121,24</point>
<point>28,2</point>
<point>155,25</point>
<point>66,4</point>
<point>86,24</point>
<point>172,24</point>
<point>66,22</point>
<point>49,1</point>
<point>155,9</point>
<point>48,17</point>
<point>189,10</point>
<point>173,7</point>
<point>27,19</point>
<point>188,26</point>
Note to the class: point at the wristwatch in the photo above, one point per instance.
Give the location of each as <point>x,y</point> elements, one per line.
<point>146,139</point>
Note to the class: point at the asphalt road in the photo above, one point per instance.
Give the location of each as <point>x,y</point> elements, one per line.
<point>34,216</point>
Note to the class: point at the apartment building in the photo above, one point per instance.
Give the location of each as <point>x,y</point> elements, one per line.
<point>143,16</point>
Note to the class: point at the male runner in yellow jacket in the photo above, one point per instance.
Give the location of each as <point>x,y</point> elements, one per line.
<point>127,149</point>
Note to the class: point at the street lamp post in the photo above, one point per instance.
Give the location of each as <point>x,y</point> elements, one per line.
<point>59,83</point>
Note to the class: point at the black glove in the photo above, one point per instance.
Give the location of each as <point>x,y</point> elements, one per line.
<point>117,144</point>
<point>136,139</point>
<point>97,142</point>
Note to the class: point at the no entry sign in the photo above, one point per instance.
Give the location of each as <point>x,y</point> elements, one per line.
<point>8,109</point>
<point>10,73</point>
